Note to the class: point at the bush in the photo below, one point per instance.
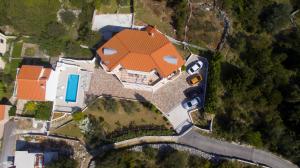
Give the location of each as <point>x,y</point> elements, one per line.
<point>63,162</point>
<point>38,110</point>
<point>110,105</point>
<point>43,111</point>
<point>129,106</point>
<point>78,116</point>
<point>12,111</point>
<point>67,17</point>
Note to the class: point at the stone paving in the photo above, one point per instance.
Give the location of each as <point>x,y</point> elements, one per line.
<point>166,98</point>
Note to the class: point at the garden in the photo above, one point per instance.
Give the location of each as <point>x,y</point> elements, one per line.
<point>110,120</point>
<point>38,110</point>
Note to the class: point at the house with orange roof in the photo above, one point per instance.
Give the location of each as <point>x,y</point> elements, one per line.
<point>141,59</point>
<point>32,83</point>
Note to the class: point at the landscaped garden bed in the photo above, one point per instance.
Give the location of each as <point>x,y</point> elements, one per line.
<point>38,110</point>
<point>108,120</point>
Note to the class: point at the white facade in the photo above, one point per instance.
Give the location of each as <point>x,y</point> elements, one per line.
<point>24,159</point>
<point>51,86</point>
<point>3,44</point>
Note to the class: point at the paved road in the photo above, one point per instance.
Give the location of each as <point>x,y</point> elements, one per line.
<point>213,146</point>
<point>9,143</point>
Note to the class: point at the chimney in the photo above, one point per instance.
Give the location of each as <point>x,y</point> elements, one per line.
<point>151,30</point>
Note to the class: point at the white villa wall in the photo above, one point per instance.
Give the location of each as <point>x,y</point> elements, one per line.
<point>145,87</point>
<point>51,86</point>
<point>3,45</point>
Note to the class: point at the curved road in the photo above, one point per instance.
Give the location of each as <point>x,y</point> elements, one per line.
<point>213,146</point>
<point>210,145</point>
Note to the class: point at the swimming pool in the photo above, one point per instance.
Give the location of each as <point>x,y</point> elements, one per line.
<point>72,88</point>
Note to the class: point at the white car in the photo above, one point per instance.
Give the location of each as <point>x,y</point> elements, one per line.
<point>195,68</point>
<point>192,103</point>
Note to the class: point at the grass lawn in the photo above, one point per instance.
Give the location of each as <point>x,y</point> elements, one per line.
<point>70,129</point>
<point>112,7</point>
<point>139,116</point>
<point>17,50</point>
<point>30,51</point>
<point>154,13</point>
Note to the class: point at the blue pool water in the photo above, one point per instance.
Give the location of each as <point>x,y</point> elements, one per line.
<point>72,88</point>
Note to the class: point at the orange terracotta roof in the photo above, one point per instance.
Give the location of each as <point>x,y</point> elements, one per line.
<point>2,111</point>
<point>141,51</point>
<point>31,82</point>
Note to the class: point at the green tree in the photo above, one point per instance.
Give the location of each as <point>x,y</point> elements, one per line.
<point>63,162</point>
<point>68,17</point>
<point>275,16</point>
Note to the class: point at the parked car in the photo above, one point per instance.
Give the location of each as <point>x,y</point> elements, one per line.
<point>194,79</point>
<point>191,103</point>
<point>195,67</point>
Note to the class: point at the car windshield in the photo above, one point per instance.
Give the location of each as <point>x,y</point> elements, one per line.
<point>192,70</point>
<point>189,104</point>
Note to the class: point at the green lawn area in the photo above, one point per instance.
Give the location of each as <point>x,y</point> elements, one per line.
<point>125,112</point>
<point>38,110</point>
<point>71,129</point>
<point>146,12</point>
<point>17,50</point>
<point>111,7</point>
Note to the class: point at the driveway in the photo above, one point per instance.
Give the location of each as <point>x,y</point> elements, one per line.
<point>8,144</point>
<point>193,139</point>
<point>167,99</point>
<point>179,118</point>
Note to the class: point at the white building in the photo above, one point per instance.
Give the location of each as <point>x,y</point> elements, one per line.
<point>24,159</point>
<point>3,44</point>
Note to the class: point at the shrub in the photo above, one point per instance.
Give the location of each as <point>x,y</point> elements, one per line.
<point>183,68</point>
<point>78,116</point>
<point>12,111</point>
<point>43,111</point>
<point>129,106</point>
<point>67,17</point>
<point>30,107</point>
<point>110,105</point>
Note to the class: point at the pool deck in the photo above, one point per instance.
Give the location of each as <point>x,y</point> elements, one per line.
<point>65,68</point>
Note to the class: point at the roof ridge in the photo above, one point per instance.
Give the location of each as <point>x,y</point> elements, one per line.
<point>168,42</point>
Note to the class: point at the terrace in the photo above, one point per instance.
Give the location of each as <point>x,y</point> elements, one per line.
<point>64,69</point>
<point>146,79</point>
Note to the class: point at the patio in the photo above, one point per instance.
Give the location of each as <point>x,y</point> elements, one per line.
<point>65,68</point>
<point>165,98</point>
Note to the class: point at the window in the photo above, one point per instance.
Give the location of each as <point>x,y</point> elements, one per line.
<point>1,41</point>
<point>170,59</point>
<point>109,51</point>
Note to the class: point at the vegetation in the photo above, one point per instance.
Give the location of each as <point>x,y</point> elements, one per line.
<point>63,162</point>
<point>38,19</point>
<point>17,49</point>
<point>150,157</point>
<point>122,113</point>
<point>38,110</point>
<point>12,111</point>
<point>254,84</point>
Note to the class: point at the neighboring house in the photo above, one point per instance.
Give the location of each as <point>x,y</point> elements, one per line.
<point>24,159</point>
<point>32,83</point>
<point>65,86</point>
<point>141,59</point>
<point>3,44</point>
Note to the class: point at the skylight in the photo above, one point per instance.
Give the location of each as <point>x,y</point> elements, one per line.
<point>170,59</point>
<point>109,51</point>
